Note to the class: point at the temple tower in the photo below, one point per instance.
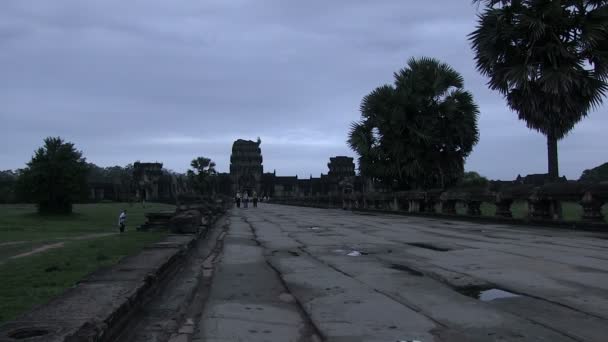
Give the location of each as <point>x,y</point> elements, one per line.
<point>341,174</point>
<point>246,166</point>
<point>341,167</point>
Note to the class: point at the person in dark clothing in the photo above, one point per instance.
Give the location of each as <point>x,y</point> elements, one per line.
<point>255,199</point>
<point>237,199</point>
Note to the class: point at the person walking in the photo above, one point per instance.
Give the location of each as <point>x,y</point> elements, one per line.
<point>122,221</point>
<point>255,199</point>
<point>245,199</point>
<point>237,199</point>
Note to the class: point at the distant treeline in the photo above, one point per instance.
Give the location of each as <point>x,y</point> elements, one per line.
<point>118,178</point>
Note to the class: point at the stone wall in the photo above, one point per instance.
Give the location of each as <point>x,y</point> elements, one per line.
<point>544,202</point>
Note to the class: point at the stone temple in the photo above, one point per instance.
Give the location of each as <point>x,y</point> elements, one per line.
<point>153,183</point>
<point>246,166</point>
<point>247,175</point>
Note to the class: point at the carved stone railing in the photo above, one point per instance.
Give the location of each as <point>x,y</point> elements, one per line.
<point>472,198</point>
<point>192,213</point>
<point>544,202</point>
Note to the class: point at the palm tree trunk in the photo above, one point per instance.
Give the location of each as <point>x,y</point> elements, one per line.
<point>552,157</point>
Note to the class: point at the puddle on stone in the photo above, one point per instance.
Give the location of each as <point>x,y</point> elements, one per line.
<point>407,269</point>
<point>350,252</point>
<point>366,214</point>
<point>428,246</point>
<point>486,294</point>
<point>492,294</point>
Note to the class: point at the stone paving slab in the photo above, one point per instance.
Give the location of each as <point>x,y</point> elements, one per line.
<point>428,271</point>
<point>247,301</point>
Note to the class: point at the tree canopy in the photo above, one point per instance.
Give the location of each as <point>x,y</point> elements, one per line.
<point>8,180</point>
<point>473,179</point>
<point>55,177</point>
<point>595,175</point>
<point>201,177</point>
<point>417,132</point>
<point>548,58</point>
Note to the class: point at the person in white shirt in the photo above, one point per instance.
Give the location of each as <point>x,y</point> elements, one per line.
<point>122,221</point>
<point>245,199</point>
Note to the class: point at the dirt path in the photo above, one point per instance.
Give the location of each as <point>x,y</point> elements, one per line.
<point>87,236</point>
<point>39,250</point>
<point>50,246</point>
<point>12,243</point>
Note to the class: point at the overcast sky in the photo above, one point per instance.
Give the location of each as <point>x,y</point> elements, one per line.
<point>166,81</point>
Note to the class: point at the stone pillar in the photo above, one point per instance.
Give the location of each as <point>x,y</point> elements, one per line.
<point>429,206</point>
<point>555,210</point>
<point>448,207</point>
<point>403,205</point>
<point>539,209</point>
<point>347,203</point>
<point>414,206</point>
<point>503,207</point>
<point>592,208</point>
<point>474,208</point>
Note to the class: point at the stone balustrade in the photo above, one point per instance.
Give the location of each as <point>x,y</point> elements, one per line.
<point>544,202</point>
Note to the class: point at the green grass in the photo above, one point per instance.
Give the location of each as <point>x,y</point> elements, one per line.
<point>33,280</point>
<point>20,222</point>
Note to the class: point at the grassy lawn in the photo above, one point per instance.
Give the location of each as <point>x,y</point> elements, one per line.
<point>19,222</point>
<point>32,280</point>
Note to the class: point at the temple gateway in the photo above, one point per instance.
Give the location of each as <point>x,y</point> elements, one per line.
<point>153,183</point>
<point>247,175</point>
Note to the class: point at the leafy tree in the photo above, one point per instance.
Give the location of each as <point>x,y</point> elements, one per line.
<point>8,181</point>
<point>595,175</point>
<point>548,58</point>
<point>203,176</point>
<point>120,178</point>
<point>55,177</point>
<point>473,179</point>
<point>418,132</point>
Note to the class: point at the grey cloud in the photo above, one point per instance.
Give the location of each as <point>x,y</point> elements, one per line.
<point>168,81</point>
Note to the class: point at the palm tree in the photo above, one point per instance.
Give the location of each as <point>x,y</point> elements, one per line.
<point>548,58</point>
<point>202,177</point>
<point>417,132</point>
